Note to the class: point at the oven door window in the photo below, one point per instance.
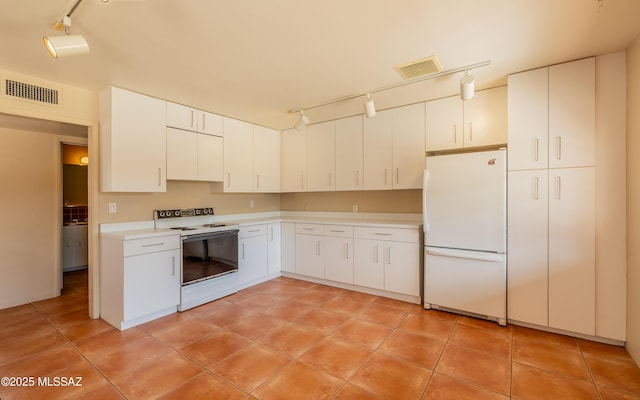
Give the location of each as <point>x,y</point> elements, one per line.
<point>208,256</point>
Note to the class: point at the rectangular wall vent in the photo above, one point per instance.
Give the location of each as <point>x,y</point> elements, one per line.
<point>31,92</point>
<point>414,69</point>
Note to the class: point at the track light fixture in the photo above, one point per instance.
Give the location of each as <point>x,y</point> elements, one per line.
<point>302,122</point>
<point>369,107</point>
<point>467,86</point>
<point>67,44</point>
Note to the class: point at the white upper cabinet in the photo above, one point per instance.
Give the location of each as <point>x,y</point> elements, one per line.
<point>378,155</point>
<point>572,91</point>
<point>210,123</point>
<point>321,156</point>
<point>482,121</point>
<point>182,150</point>
<point>349,153</point>
<point>210,158</point>
<point>408,145</point>
<point>266,160</point>
<point>132,142</point>
<point>238,156</point>
<point>191,119</point>
<point>294,160</point>
<point>552,116</point>
<point>528,119</point>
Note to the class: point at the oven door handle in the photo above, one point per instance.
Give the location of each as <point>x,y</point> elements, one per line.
<point>211,235</point>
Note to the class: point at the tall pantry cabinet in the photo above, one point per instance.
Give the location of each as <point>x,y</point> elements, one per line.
<point>551,224</point>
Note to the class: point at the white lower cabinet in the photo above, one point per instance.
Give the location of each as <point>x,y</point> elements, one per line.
<point>274,245</point>
<point>139,279</point>
<point>288,247</point>
<point>252,255</point>
<point>338,259</point>
<point>75,248</point>
<point>402,268</point>
<point>368,269</point>
<point>310,250</point>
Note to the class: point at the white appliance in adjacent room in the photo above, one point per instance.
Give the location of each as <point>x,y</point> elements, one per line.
<point>464,208</point>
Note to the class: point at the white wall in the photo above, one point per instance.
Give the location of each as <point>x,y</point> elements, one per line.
<point>633,199</point>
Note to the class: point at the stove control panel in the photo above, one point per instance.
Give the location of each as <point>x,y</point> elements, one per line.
<point>185,212</point>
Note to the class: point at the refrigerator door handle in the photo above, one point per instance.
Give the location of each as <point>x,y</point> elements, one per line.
<point>425,184</point>
<point>491,257</point>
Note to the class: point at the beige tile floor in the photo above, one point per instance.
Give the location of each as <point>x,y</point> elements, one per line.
<point>289,339</point>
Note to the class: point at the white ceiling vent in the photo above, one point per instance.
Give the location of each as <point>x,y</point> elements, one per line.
<point>415,69</point>
<point>31,92</point>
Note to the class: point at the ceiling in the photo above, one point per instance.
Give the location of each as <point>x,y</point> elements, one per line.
<point>255,60</point>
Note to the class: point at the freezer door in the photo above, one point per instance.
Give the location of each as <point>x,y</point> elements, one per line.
<point>465,201</point>
<point>471,282</point>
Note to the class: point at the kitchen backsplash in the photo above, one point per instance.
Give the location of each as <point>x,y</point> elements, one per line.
<point>75,214</point>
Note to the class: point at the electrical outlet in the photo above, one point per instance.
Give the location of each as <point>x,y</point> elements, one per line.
<point>113,208</point>
<point>355,208</point>
<point>251,204</point>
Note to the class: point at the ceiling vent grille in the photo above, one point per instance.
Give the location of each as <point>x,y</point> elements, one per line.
<point>31,92</point>
<point>415,69</point>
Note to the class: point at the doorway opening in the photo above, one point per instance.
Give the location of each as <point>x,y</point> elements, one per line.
<point>75,218</point>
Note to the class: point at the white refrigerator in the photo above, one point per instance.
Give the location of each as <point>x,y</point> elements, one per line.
<point>464,208</point>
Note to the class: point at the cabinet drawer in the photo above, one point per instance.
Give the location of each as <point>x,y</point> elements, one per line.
<point>151,245</point>
<point>310,229</point>
<point>393,234</point>
<point>251,231</point>
<point>338,230</point>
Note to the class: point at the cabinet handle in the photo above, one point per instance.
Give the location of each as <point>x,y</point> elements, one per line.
<point>559,148</point>
<point>537,149</point>
<point>330,180</point>
<point>537,183</point>
<point>397,176</point>
<point>302,180</point>
<point>173,266</point>
<point>455,133</point>
<point>389,255</point>
<point>318,247</point>
<point>346,251</point>
<point>271,233</point>
<point>308,229</point>
<point>357,177</point>
<point>203,122</point>
<point>192,118</point>
<point>471,131</point>
<point>243,251</point>
<point>382,234</point>
<point>385,176</point>
<point>336,230</point>
<point>228,179</point>
<point>376,251</point>
<point>153,244</point>
<point>253,231</point>
<point>159,176</point>
<point>558,188</point>
<point>258,180</point>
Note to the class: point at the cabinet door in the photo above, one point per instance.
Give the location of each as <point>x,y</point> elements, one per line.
<point>151,283</point>
<point>133,143</point>
<point>294,160</point>
<point>572,114</point>
<point>288,237</point>
<point>238,156</point>
<point>378,155</point>
<point>210,123</point>
<point>182,151</point>
<point>408,145</point>
<point>310,255</point>
<point>338,261</point>
<point>444,124</point>
<point>321,156</point>
<point>252,259</point>
<point>274,252</point>
<point>210,158</point>
<point>402,268</point>
<point>572,250</point>
<point>368,264</point>
<point>349,153</point>
<point>485,118</point>
<point>527,246</point>
<point>266,160</point>
<point>181,117</point>
<point>68,249</point>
